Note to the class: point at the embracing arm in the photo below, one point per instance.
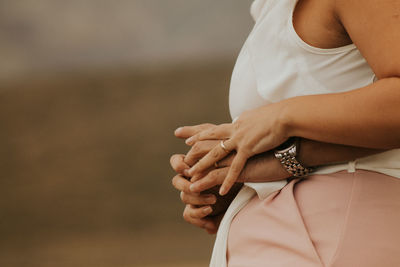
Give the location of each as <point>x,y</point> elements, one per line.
<point>370,116</point>
<point>265,167</point>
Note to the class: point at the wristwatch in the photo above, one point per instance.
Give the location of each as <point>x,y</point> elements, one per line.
<point>286,154</point>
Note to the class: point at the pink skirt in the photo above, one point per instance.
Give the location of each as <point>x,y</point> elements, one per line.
<point>341,219</point>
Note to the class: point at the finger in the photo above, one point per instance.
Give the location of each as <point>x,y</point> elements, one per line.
<point>199,212</point>
<point>234,171</point>
<point>227,161</point>
<point>189,131</point>
<point>197,176</point>
<point>216,154</point>
<point>190,214</point>
<point>181,183</point>
<point>213,178</point>
<point>178,164</point>
<point>197,199</point>
<point>198,150</point>
<point>219,132</point>
<point>193,214</point>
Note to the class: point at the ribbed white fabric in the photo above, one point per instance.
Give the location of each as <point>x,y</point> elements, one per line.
<point>275,64</point>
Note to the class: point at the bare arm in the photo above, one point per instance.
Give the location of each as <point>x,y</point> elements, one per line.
<point>370,116</point>
<point>264,167</point>
<point>313,153</point>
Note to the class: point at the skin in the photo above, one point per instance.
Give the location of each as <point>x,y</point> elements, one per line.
<point>368,118</point>
<point>260,168</point>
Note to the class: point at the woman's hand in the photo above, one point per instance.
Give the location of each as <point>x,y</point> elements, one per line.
<point>254,132</point>
<point>259,168</point>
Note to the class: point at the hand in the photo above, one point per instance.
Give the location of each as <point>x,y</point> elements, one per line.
<point>259,168</point>
<point>254,132</point>
<point>199,150</point>
<point>198,206</point>
<point>204,209</point>
<point>207,196</point>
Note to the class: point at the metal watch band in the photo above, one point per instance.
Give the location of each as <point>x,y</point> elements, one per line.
<point>287,157</point>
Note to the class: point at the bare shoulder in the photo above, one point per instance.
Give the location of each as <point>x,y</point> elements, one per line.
<point>374,27</point>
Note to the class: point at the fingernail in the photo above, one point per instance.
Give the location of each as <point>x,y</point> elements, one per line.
<point>178,130</point>
<point>207,210</point>
<point>189,141</point>
<point>222,191</point>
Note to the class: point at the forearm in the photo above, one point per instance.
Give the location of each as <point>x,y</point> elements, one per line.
<point>314,153</point>
<point>265,167</point>
<point>367,117</point>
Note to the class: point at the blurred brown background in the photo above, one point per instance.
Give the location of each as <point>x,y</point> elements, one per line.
<point>90,94</point>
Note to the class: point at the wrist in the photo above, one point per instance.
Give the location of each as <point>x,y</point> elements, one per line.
<point>309,153</point>
<point>263,167</point>
<point>286,119</point>
<point>287,154</point>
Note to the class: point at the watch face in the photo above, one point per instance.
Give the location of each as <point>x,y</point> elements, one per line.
<point>289,142</point>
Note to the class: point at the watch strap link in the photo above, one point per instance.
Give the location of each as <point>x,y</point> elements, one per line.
<point>288,159</point>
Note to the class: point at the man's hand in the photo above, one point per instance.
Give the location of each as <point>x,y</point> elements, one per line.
<point>203,209</point>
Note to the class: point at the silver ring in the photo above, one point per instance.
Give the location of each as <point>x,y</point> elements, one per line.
<point>224,147</point>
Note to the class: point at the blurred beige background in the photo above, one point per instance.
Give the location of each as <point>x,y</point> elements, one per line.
<point>90,94</point>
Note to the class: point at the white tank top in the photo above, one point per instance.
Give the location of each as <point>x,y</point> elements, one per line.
<point>276,64</point>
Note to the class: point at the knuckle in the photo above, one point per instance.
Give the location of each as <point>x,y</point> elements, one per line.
<point>208,125</point>
<point>214,154</point>
<point>196,149</point>
<point>212,133</point>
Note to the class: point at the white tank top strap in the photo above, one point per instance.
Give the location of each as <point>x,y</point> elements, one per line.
<point>285,66</point>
